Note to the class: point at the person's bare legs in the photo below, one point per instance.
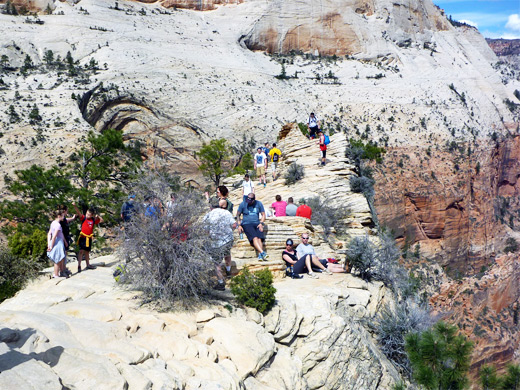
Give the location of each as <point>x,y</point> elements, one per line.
<point>87,258</point>
<point>218,271</point>
<point>56,269</point>
<point>257,243</point>
<point>316,262</point>
<point>80,257</point>
<point>337,268</point>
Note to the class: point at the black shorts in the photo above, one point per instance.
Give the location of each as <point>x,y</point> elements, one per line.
<point>82,242</point>
<point>323,153</point>
<point>299,267</point>
<point>252,231</point>
<point>313,131</point>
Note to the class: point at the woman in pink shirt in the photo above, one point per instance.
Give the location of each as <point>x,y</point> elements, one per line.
<point>279,207</point>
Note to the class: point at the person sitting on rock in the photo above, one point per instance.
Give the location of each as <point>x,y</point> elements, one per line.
<point>253,216</point>
<point>297,266</point>
<point>291,208</point>
<point>303,210</point>
<point>279,207</point>
<point>306,251</point>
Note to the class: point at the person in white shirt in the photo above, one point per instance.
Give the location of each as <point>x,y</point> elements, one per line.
<point>313,124</point>
<point>261,165</point>
<point>247,186</point>
<point>220,224</point>
<point>305,249</point>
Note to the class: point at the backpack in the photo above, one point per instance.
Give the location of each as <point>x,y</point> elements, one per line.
<point>276,156</point>
<point>327,139</point>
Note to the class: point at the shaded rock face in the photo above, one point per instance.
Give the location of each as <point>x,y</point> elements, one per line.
<point>458,214</point>
<point>335,27</point>
<point>486,308</point>
<point>200,5</point>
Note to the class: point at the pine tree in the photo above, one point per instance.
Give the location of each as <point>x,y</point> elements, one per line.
<point>48,57</point>
<point>212,157</point>
<point>511,380</point>
<point>488,378</point>
<point>440,357</point>
<point>4,60</point>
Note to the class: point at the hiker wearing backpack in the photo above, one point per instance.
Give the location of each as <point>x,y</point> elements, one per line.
<point>323,142</point>
<point>313,125</point>
<point>260,160</point>
<point>275,155</point>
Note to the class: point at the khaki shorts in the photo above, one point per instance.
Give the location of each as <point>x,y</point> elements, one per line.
<point>260,170</point>
<point>274,165</point>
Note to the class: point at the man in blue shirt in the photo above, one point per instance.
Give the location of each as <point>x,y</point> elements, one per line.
<point>253,215</point>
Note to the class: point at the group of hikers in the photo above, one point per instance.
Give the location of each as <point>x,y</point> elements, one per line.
<point>219,222</point>
<point>59,239</point>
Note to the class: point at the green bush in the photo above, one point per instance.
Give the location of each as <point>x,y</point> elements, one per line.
<point>14,273</point>
<point>511,245</point>
<point>440,357</point>
<point>295,173</point>
<point>303,128</point>
<point>28,246</point>
<point>254,289</point>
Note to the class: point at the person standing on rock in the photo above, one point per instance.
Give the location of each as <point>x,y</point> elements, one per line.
<point>306,251</point>
<point>323,148</point>
<point>291,208</point>
<point>128,209</point>
<point>65,228</point>
<point>274,155</point>
<point>220,224</point>
<point>303,210</point>
<point>248,187</point>
<point>279,207</point>
<point>252,224</point>
<point>313,125</point>
<point>261,165</point>
<point>56,245</point>
<point>86,236</point>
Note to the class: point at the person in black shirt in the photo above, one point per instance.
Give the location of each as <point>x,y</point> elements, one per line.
<point>66,233</point>
<point>298,266</point>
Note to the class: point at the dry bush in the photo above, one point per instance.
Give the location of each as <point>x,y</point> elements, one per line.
<point>169,249</point>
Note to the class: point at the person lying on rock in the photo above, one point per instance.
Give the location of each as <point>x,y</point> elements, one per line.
<point>253,216</point>
<point>306,250</point>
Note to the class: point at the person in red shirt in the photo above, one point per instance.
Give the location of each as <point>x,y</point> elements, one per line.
<point>323,148</point>
<point>88,221</point>
<point>303,210</point>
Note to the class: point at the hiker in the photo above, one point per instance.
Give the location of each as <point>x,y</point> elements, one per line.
<point>153,208</point>
<point>86,236</point>
<point>307,252</point>
<point>220,224</point>
<point>279,207</point>
<point>323,147</point>
<point>298,265</point>
<point>291,208</point>
<point>65,228</point>
<point>56,245</point>
<point>253,216</point>
<point>303,210</point>
<point>313,125</point>
<point>170,205</point>
<point>128,209</point>
<point>248,187</point>
<point>222,193</point>
<point>266,149</point>
<point>274,155</point>
<point>260,165</point>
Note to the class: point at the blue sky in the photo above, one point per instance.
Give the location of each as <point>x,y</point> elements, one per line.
<point>493,18</point>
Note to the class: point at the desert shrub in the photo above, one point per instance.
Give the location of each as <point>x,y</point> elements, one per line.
<point>511,245</point>
<point>363,185</point>
<point>294,173</point>
<point>393,324</point>
<point>387,268</point>
<point>28,245</point>
<point>362,256</point>
<point>440,357</point>
<point>357,151</point>
<point>325,215</point>
<point>254,289</point>
<point>166,249</point>
<point>14,273</point>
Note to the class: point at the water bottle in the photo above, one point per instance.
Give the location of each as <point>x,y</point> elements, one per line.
<point>241,236</point>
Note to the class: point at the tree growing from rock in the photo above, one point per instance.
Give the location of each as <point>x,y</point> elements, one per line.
<point>212,157</point>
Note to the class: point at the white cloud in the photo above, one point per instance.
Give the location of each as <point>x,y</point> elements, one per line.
<point>471,23</point>
<point>483,19</point>
<point>513,22</point>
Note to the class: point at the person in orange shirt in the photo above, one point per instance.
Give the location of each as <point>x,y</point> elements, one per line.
<point>303,210</point>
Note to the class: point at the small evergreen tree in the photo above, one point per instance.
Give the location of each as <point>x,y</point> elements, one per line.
<point>511,380</point>
<point>4,60</point>
<point>488,378</point>
<point>440,357</point>
<point>48,57</point>
<point>212,157</point>
<point>34,115</point>
<point>27,62</point>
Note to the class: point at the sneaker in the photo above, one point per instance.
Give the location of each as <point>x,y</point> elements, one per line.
<point>264,185</point>
<point>219,287</point>
<point>313,275</point>
<point>64,275</point>
<point>68,271</point>
<point>90,267</point>
<point>264,255</point>
<point>327,271</point>
<point>296,276</point>
<point>260,257</point>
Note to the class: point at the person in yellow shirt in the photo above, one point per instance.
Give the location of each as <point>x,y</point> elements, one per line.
<point>275,155</point>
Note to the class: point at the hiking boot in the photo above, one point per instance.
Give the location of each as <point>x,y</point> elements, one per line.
<point>313,275</point>
<point>219,287</point>
<point>327,271</point>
